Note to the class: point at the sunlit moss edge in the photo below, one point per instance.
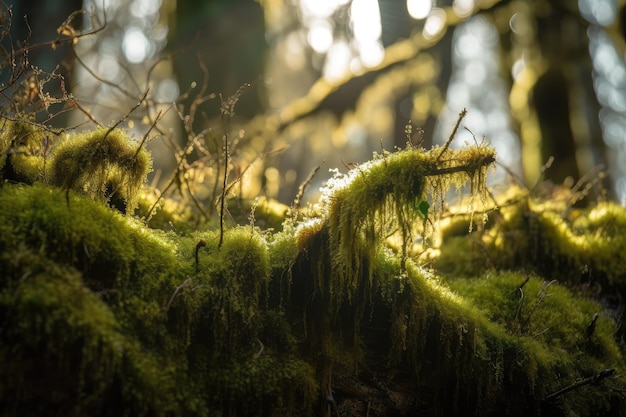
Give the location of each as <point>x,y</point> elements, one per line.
<point>106,164</point>
<point>394,192</point>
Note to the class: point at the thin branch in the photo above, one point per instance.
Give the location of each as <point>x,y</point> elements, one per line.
<point>239,177</point>
<point>591,380</point>
<point>98,77</point>
<point>176,291</point>
<point>520,289</point>
<point>460,168</point>
<point>145,136</point>
<point>302,188</point>
<point>462,114</point>
<point>194,199</point>
<point>128,113</point>
<point>223,200</point>
<point>201,244</point>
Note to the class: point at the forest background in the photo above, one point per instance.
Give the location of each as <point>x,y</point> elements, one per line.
<point>329,82</point>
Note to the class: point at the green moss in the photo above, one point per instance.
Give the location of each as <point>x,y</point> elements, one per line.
<point>23,149</point>
<point>87,289</point>
<point>581,247</point>
<point>450,347</point>
<point>64,351</point>
<point>550,323</point>
<point>102,163</point>
<point>594,240</point>
<point>388,195</point>
<point>143,322</point>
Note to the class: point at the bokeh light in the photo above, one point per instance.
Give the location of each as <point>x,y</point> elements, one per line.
<point>463,8</point>
<point>419,9</point>
<point>435,23</point>
<point>136,46</point>
<point>599,12</point>
<point>609,81</point>
<point>476,84</point>
<point>320,36</point>
<point>315,46</point>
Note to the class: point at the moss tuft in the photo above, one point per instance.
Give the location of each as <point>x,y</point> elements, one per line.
<point>23,150</point>
<point>103,164</point>
<point>396,193</point>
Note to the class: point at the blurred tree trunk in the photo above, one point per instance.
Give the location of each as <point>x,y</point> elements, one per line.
<point>228,39</point>
<point>35,22</point>
<point>563,97</point>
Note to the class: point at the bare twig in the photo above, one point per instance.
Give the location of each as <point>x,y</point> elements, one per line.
<point>262,347</point>
<point>581,189</point>
<point>541,296</point>
<point>201,244</point>
<point>591,380</point>
<point>223,200</point>
<point>185,283</point>
<point>227,110</point>
<point>460,168</point>
<point>145,136</point>
<point>591,327</point>
<point>128,113</point>
<point>462,114</point>
<point>297,201</point>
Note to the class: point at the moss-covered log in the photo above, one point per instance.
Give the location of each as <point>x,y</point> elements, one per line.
<point>101,315</point>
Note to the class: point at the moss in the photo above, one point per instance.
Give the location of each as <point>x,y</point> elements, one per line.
<point>550,323</point>
<point>386,195</point>
<point>102,163</point>
<point>162,213</point>
<point>226,292</point>
<point>478,328</point>
<point>105,297</point>
<point>125,320</point>
<point>594,240</point>
<point>344,281</point>
<point>582,247</point>
<point>23,150</point>
<point>66,352</point>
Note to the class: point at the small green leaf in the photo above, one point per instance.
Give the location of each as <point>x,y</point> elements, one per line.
<point>423,207</point>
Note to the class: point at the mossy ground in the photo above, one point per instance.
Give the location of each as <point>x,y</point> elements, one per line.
<point>102,316</point>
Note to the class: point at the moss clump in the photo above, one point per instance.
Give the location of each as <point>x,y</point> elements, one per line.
<point>591,239</point>
<point>581,247</point>
<point>75,316</point>
<point>103,164</point>
<point>23,150</point>
<point>386,196</point>
<point>552,325</point>
<point>63,349</point>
